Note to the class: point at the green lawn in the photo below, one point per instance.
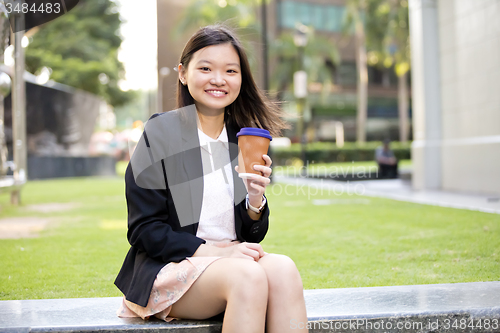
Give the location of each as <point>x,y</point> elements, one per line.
<point>349,241</point>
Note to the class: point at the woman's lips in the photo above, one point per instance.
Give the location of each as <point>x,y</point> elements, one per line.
<point>216,93</point>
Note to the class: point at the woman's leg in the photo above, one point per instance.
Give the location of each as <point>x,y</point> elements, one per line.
<point>286,309</point>
<point>238,286</point>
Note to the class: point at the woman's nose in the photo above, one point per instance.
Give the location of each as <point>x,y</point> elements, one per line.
<point>217,79</point>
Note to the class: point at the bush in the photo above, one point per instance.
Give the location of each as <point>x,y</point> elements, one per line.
<point>327,152</point>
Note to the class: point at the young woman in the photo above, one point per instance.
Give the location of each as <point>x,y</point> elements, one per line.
<point>216,265</point>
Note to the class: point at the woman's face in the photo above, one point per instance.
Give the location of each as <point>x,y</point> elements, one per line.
<point>213,77</point>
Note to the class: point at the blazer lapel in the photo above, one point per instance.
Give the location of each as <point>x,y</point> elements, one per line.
<point>191,160</point>
<point>240,191</point>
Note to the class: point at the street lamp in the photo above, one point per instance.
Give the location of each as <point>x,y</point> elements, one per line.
<point>5,88</point>
<point>18,97</point>
<point>300,86</point>
<point>300,35</point>
<point>164,72</point>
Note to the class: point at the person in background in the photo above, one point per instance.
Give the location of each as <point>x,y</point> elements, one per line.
<point>387,162</point>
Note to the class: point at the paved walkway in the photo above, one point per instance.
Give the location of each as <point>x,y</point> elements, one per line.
<point>399,189</point>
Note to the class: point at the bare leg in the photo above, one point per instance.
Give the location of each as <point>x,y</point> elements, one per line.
<point>286,309</point>
<point>238,286</point>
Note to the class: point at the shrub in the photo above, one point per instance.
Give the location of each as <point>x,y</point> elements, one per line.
<point>326,152</point>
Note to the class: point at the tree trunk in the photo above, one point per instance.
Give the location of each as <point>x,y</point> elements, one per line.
<point>362,82</point>
<point>403,107</point>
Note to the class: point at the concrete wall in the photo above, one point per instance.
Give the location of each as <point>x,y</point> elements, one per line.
<point>470,94</point>
<point>426,92</point>
<point>456,90</point>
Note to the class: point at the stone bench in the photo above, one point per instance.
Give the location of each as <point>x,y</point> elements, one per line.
<point>419,308</point>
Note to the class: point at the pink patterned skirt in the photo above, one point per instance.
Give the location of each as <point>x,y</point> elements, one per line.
<point>171,283</point>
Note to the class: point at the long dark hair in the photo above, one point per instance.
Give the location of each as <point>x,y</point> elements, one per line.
<point>251,108</point>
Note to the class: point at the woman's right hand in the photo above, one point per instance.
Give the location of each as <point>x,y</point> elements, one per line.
<point>252,251</point>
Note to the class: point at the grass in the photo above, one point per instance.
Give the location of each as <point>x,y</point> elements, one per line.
<point>80,254</point>
<point>349,242</point>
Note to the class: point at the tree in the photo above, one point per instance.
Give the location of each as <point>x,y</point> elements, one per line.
<point>388,43</point>
<point>397,43</point>
<point>315,55</point>
<point>80,49</point>
<point>354,18</point>
<point>317,52</point>
<point>239,14</point>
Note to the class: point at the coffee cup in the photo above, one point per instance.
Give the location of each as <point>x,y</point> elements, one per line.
<point>252,143</point>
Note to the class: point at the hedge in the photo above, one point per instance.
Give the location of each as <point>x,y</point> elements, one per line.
<point>326,152</point>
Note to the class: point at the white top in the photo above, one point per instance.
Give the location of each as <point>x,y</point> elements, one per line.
<point>217,209</point>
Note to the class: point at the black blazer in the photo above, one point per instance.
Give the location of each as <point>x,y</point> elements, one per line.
<point>155,232</point>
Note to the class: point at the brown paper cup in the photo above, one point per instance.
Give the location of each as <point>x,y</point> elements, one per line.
<point>251,149</point>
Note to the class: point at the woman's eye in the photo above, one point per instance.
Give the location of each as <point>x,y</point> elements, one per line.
<point>204,68</point>
<point>232,70</point>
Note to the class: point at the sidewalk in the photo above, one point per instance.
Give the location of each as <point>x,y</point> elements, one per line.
<point>399,189</point>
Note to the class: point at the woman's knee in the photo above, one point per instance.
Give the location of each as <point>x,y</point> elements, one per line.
<point>247,279</point>
<point>280,269</point>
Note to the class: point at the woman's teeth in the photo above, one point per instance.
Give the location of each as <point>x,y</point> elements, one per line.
<point>215,92</point>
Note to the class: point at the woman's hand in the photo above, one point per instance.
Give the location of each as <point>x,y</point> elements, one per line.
<point>256,184</point>
<point>252,251</point>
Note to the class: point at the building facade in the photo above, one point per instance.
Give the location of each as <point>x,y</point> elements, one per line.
<point>456,95</point>
<point>325,16</point>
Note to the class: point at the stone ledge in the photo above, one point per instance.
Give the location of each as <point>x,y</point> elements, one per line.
<point>329,310</point>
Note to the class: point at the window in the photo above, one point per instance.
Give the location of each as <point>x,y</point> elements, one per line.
<point>321,17</point>
<point>347,74</point>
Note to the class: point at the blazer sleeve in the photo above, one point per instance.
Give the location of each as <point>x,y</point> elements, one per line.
<point>150,224</point>
<point>252,231</point>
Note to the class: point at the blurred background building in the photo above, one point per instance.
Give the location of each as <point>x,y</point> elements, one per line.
<point>452,113</point>
<point>339,102</point>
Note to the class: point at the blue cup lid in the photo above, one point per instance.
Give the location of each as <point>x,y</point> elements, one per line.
<point>255,132</point>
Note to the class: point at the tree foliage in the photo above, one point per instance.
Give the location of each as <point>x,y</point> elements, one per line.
<point>317,52</point>
<point>382,36</point>
<point>202,12</point>
<point>388,35</point>
<point>81,50</point>
<point>240,15</point>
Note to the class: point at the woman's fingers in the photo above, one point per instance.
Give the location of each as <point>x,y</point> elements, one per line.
<point>258,179</point>
<point>267,159</point>
<point>250,252</point>
<point>258,187</point>
<point>265,170</point>
<point>255,247</point>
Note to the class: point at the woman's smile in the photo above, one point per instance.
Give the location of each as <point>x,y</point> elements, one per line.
<point>217,93</point>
